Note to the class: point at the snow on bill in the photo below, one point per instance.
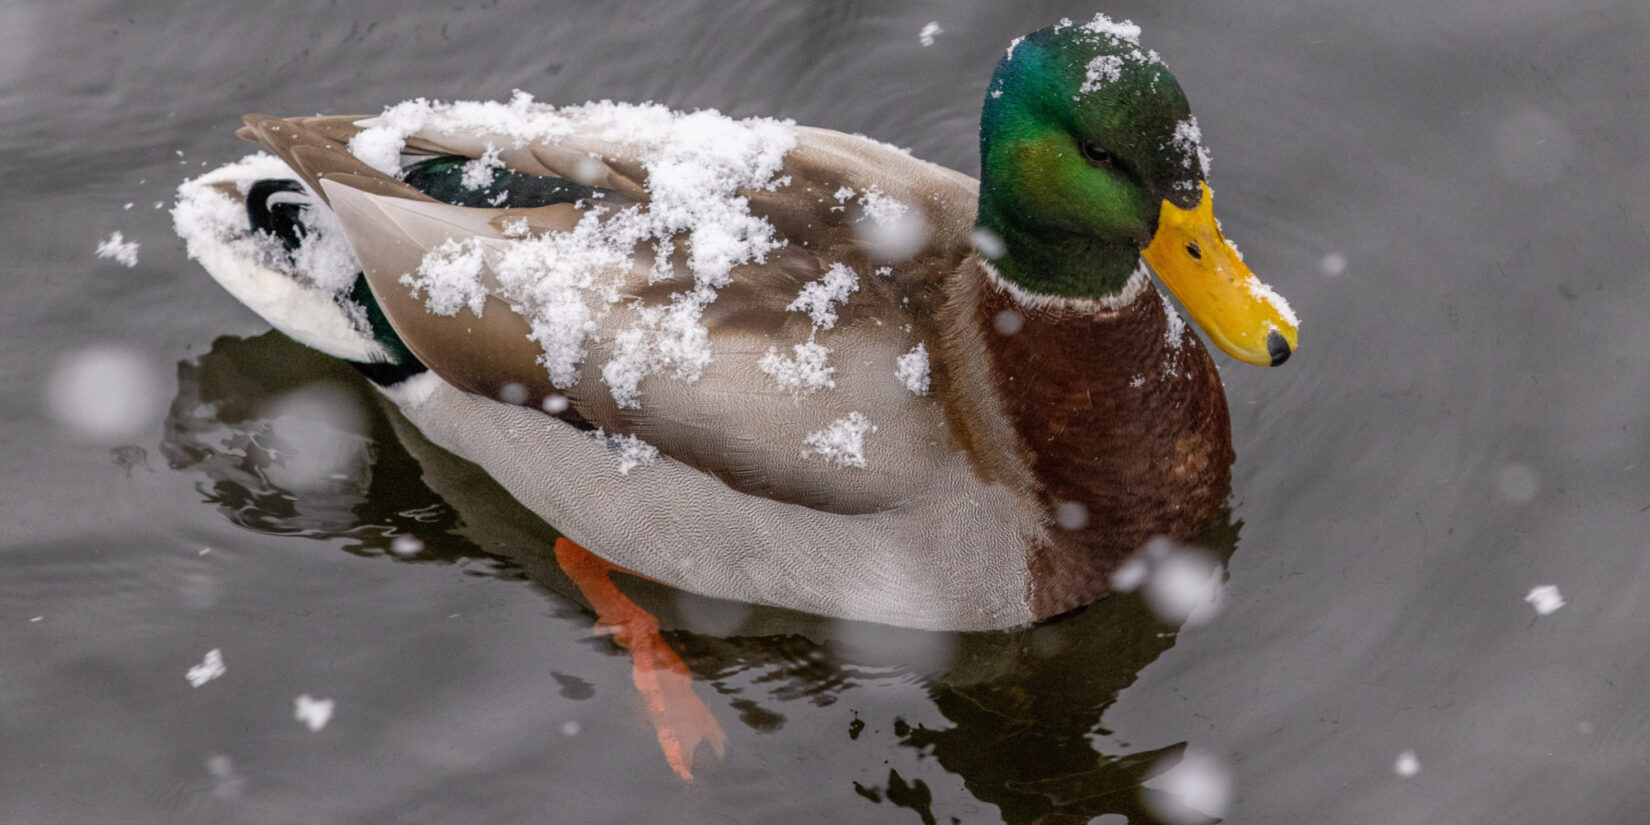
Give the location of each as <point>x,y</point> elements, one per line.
<point>1266,295</point>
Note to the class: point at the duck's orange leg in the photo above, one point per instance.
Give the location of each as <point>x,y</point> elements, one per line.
<point>680,718</point>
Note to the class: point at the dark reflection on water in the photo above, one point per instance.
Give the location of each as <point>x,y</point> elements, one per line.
<point>220,425</point>
<point>1021,705</point>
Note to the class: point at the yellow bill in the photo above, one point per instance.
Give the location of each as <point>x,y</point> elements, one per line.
<point>1240,314</point>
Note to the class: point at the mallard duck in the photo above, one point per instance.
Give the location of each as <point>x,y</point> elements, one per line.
<point>782,364</point>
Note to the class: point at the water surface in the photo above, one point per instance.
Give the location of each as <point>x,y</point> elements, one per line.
<point>1451,195</point>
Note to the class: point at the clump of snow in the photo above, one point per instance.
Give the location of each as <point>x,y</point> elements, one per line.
<point>806,373</point>
<point>819,297</point>
<point>929,29</point>
<point>517,228</point>
<point>380,144</point>
<point>1407,764</point>
<point>1181,584</point>
<point>106,394</point>
<point>842,443</point>
<point>450,275</point>
<point>1102,70</point>
<point>324,256</point>
<point>210,668</point>
<point>478,172</point>
<point>1545,599</point>
<point>204,213</point>
<point>912,369</point>
<point>1012,45</point>
<point>314,713</point>
<point>1127,31</point>
<point>631,451</point>
<point>1188,140</point>
<point>1194,790</point>
<point>881,208</point>
<point>891,229</point>
<point>121,250</point>
<point>696,165</point>
<point>1174,328</point>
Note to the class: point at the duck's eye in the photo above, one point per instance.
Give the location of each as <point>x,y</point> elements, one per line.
<point>1094,155</point>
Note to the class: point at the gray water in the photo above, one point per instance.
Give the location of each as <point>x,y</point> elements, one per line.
<point>1452,195</point>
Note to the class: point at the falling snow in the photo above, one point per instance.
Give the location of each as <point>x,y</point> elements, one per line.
<point>1194,789</point>
<point>210,668</point>
<point>314,713</point>
<point>119,249</point>
<point>1545,599</point>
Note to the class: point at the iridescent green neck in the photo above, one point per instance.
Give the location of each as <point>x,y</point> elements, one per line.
<point>1057,263</point>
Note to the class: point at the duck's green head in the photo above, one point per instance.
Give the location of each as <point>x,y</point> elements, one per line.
<point>1090,159</point>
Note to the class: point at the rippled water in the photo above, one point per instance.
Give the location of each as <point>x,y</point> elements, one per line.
<point>1451,194</point>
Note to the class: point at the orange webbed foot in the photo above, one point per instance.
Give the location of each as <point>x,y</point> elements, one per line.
<point>681,719</point>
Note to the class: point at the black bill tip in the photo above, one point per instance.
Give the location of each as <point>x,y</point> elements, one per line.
<point>1277,347</point>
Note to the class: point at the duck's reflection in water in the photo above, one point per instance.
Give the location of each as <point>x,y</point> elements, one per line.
<point>1023,707</point>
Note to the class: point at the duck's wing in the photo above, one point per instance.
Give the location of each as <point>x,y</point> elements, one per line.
<point>625,341</point>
